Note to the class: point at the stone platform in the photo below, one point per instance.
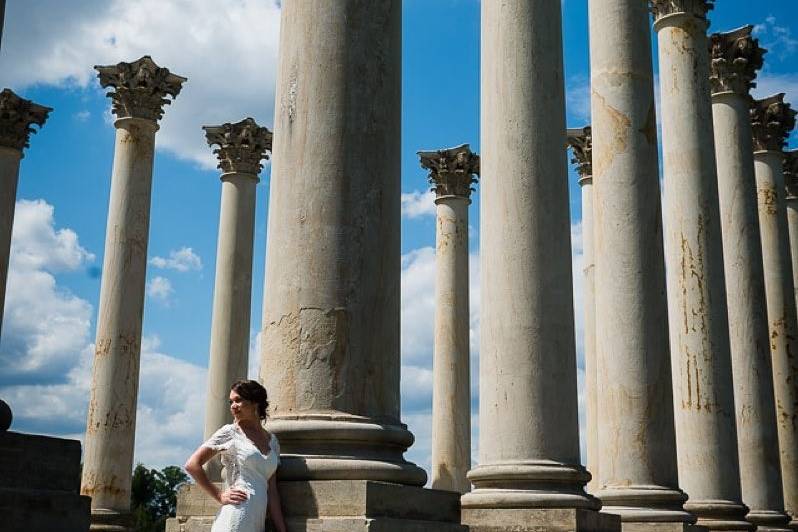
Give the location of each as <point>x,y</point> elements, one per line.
<point>40,484</point>
<point>338,506</point>
<point>540,520</point>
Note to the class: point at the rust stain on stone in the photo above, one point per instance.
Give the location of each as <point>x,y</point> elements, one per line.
<point>619,138</point>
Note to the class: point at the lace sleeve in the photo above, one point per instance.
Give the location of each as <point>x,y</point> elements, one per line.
<point>221,439</point>
<point>276,447</point>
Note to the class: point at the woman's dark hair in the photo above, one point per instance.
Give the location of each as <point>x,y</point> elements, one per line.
<point>255,392</point>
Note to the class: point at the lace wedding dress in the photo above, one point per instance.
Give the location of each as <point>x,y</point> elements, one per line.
<point>248,469</point>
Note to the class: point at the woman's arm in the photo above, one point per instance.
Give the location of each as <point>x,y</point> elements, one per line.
<point>194,468</point>
<point>275,506</point>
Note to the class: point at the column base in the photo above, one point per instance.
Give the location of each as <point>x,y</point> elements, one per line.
<point>719,514</point>
<point>539,520</point>
<point>110,521</point>
<point>343,447</point>
<point>646,504</point>
<point>769,520</point>
<point>338,506</point>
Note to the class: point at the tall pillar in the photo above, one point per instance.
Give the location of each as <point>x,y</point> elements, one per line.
<point>579,139</point>
<point>772,120</point>
<point>706,432</point>
<point>451,174</point>
<point>139,91</point>
<point>17,116</point>
<point>638,473</point>
<point>735,59</point>
<point>241,147</point>
<point>791,190</point>
<point>529,431</point>
<point>330,339</point>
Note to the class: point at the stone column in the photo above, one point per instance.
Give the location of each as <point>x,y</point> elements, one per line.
<point>706,432</point>
<point>772,120</point>
<point>330,340</point>
<point>735,58</point>
<point>791,190</point>
<point>451,174</point>
<point>17,115</point>
<point>638,472</point>
<point>241,147</point>
<point>579,140</point>
<point>139,91</point>
<point>529,432</point>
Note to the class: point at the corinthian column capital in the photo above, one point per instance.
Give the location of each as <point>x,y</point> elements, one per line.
<point>696,8</point>
<point>772,119</point>
<point>735,58</point>
<point>242,146</point>
<point>17,115</point>
<point>451,170</point>
<point>580,141</point>
<point>791,173</point>
<point>140,88</point>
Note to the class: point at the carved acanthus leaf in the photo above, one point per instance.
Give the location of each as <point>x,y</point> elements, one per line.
<point>697,8</point>
<point>791,173</point>
<point>735,58</point>
<point>581,142</point>
<point>242,145</point>
<point>451,170</point>
<point>17,115</point>
<point>772,119</point>
<point>140,88</point>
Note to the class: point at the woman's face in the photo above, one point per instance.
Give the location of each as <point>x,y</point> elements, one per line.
<point>242,409</point>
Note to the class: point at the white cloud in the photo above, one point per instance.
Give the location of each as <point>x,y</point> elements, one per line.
<point>777,39</point>
<point>228,51</point>
<point>160,289</point>
<point>418,204</point>
<point>182,260</point>
<point>577,100</point>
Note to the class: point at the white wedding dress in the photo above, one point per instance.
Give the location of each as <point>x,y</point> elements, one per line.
<point>248,469</point>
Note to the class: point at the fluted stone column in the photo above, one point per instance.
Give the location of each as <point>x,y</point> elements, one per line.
<point>579,139</point>
<point>451,174</point>
<point>330,339</point>
<point>241,146</point>
<point>706,433</point>
<point>17,116</point>
<point>772,120</point>
<point>638,474</point>
<point>138,94</point>
<point>791,189</point>
<point>735,58</point>
<point>529,432</point>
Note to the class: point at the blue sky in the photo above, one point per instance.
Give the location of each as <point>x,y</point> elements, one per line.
<point>228,51</point>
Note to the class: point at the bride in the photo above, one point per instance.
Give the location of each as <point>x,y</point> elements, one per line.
<point>250,456</point>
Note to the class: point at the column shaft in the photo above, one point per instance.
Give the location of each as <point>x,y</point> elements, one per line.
<point>781,309</point>
<point>9,177</point>
<point>232,294</point>
<point>111,425</point>
<point>330,341</point>
<point>699,334</point>
<point>760,477</point>
<point>529,435</point>
<point>451,408</point>
<point>591,381</point>
<point>638,471</point>
<point>792,224</point>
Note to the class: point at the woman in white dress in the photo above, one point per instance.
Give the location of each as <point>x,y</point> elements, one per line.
<point>250,456</point>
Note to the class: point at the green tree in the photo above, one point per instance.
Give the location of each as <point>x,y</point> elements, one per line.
<point>154,496</point>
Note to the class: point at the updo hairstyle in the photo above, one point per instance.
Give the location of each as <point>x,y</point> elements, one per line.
<point>255,392</point>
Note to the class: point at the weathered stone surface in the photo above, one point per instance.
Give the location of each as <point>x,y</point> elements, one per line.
<point>695,8</point>
<point>760,477</point>
<point>339,505</point>
<point>698,316</point>
<point>139,88</point>
<point>772,119</point>
<point>451,170</point>
<point>735,57</point>
<point>242,145</point>
<point>540,520</point>
<point>17,115</point>
<point>39,484</point>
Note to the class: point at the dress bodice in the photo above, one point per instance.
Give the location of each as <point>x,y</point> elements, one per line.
<point>245,466</point>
